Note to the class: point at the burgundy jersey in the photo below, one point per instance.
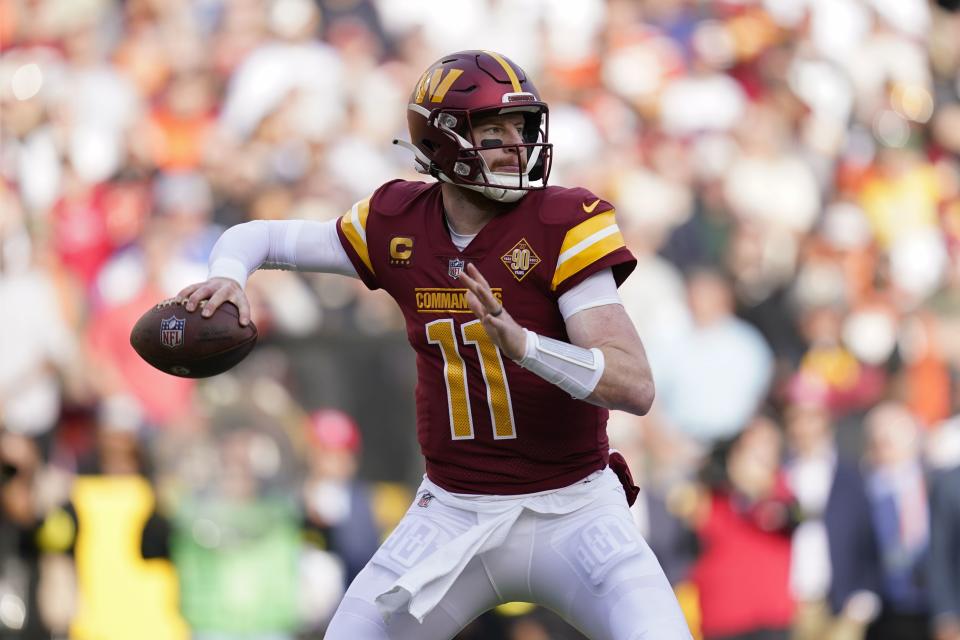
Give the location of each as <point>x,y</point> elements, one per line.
<point>485,425</point>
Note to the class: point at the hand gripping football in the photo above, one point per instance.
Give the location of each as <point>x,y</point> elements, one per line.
<point>188,345</point>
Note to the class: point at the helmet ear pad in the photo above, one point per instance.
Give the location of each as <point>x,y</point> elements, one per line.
<point>446,152</point>
<point>434,143</point>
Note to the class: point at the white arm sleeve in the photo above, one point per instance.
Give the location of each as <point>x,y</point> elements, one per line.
<point>595,291</point>
<point>301,245</point>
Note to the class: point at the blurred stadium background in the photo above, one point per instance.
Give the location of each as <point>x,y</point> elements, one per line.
<point>786,171</point>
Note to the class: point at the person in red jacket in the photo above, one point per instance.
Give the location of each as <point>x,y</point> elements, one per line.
<point>744,522</point>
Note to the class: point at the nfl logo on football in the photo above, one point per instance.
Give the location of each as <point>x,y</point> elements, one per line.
<point>455,268</point>
<point>171,331</point>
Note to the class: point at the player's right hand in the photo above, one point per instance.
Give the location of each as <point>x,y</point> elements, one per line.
<point>216,291</point>
<point>499,325</point>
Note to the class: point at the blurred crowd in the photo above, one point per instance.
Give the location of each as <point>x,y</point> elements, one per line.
<point>787,173</point>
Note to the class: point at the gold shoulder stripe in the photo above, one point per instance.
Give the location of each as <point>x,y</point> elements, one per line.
<point>514,80</point>
<point>354,227</point>
<point>586,243</point>
<point>586,229</point>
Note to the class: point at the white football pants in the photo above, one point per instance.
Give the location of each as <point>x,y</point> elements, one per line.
<point>591,566</point>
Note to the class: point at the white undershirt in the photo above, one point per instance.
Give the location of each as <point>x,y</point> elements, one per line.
<point>460,240</point>
<point>307,245</point>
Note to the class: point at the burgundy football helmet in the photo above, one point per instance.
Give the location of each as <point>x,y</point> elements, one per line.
<point>453,93</point>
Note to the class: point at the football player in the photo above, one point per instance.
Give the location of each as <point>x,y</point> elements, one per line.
<point>509,291</point>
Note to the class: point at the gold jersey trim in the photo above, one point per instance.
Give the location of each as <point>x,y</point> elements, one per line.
<point>354,227</point>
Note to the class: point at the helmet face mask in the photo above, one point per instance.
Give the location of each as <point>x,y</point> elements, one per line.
<point>471,169</point>
<point>451,97</point>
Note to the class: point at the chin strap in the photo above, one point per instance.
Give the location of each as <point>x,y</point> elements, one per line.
<point>494,193</point>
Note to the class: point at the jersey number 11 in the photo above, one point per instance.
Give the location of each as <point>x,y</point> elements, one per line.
<point>443,334</point>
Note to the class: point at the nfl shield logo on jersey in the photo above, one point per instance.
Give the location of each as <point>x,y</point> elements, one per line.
<point>425,499</point>
<point>455,267</point>
<point>171,331</point>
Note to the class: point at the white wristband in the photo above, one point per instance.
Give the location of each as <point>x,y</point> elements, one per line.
<point>574,369</point>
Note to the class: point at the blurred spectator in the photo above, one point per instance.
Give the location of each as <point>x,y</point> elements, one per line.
<point>667,533</point>
<point>337,504</point>
<point>99,102</point>
<point>768,185</point>
<point>181,125</point>
<point>944,562</point>
<point>19,554</point>
<point>287,65</point>
<point>747,512</point>
<point>829,373</point>
<point>234,533</point>
<point>705,100</point>
<point>129,290</point>
<point>40,352</point>
<point>120,594</point>
<point>721,359</point>
<point>926,370</point>
<point>901,201</point>
<point>834,571</point>
<point>897,490</point>
<point>655,294</point>
<point>660,507</point>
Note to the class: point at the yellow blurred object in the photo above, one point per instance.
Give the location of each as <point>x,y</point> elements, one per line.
<point>685,500</point>
<point>752,33</point>
<point>689,600</point>
<point>57,532</point>
<point>121,595</point>
<point>913,102</point>
<point>512,609</point>
<point>898,205</point>
<point>834,365</point>
<point>390,501</point>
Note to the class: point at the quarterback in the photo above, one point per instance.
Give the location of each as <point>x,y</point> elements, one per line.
<point>509,292</point>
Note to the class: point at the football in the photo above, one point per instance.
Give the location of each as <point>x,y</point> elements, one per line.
<point>188,345</point>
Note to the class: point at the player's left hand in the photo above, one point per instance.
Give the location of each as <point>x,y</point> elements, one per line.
<point>500,325</point>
